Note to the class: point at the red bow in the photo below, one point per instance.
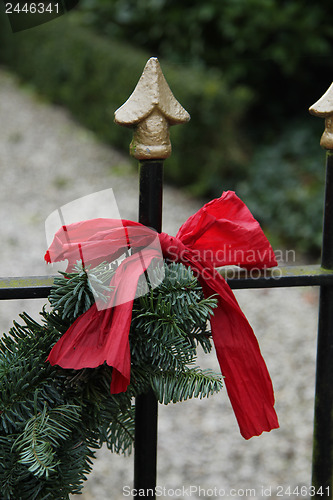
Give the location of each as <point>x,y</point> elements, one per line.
<point>222,232</point>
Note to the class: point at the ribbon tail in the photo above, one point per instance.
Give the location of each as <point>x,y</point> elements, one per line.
<point>247,379</point>
<point>95,338</point>
<point>80,347</point>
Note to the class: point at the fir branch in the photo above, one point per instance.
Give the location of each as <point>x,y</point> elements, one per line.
<point>74,293</point>
<point>186,385</point>
<point>120,432</point>
<point>159,341</point>
<point>42,435</point>
<point>171,321</point>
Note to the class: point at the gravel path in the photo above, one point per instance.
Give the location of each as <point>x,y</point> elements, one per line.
<point>47,160</point>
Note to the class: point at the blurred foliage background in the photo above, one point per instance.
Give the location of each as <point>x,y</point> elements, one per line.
<point>274,47</point>
<point>246,70</point>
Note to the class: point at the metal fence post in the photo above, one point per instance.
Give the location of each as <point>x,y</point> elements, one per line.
<point>150,110</point>
<point>322,463</point>
<point>146,406</point>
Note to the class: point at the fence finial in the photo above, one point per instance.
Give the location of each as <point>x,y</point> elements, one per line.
<point>151,110</point>
<point>324,109</point>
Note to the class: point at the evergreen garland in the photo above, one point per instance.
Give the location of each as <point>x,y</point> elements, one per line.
<point>52,420</point>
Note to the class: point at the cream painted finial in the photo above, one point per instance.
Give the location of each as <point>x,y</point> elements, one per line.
<point>151,110</point>
<point>324,109</point>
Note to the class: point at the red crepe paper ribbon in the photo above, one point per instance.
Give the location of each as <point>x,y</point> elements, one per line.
<point>222,232</point>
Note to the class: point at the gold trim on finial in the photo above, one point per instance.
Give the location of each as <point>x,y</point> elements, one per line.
<point>151,110</point>
<point>324,109</point>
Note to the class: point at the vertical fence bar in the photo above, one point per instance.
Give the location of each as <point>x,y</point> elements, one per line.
<point>146,406</point>
<point>322,465</point>
<point>322,459</point>
<point>151,193</point>
<point>150,111</point>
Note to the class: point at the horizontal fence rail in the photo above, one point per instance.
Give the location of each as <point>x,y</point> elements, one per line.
<point>39,287</point>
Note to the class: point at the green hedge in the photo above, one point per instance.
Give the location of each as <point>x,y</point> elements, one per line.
<point>280,49</point>
<point>286,187</point>
<point>92,77</point>
<point>281,181</point>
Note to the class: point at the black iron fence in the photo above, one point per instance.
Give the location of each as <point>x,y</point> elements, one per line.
<point>150,214</point>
